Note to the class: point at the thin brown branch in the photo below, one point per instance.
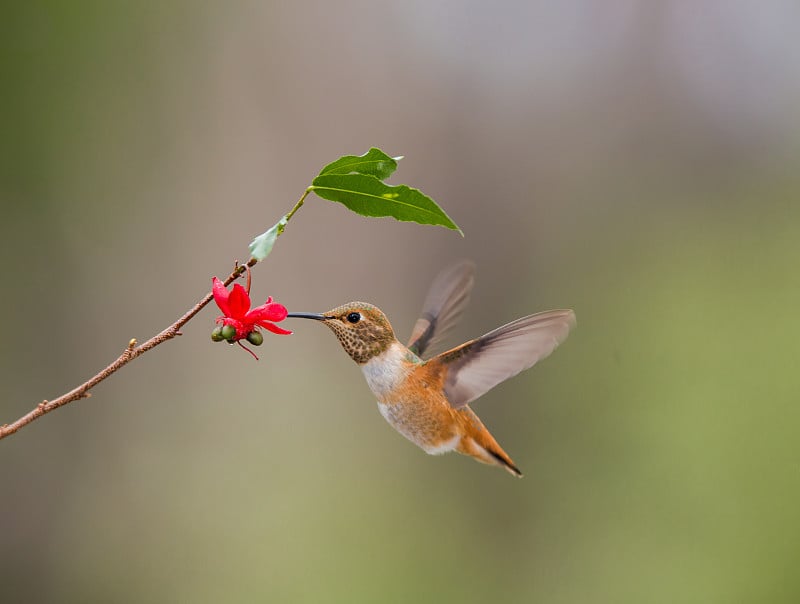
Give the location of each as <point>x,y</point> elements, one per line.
<point>131,352</point>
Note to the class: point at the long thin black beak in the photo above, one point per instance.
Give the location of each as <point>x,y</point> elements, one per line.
<point>306,315</point>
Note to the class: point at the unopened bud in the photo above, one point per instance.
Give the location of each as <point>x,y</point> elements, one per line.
<point>228,332</point>
<point>255,338</point>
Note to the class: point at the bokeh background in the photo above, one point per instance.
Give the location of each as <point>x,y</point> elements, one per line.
<point>637,162</point>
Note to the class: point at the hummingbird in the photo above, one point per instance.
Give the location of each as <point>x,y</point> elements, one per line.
<point>426,398</point>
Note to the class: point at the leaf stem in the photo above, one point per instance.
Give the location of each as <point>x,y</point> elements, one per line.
<point>299,204</point>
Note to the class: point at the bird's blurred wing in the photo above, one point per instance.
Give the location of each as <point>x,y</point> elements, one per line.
<point>444,305</point>
<point>474,368</point>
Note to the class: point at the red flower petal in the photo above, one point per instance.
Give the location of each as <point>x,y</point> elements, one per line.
<point>238,302</point>
<point>271,311</point>
<point>274,328</point>
<point>220,295</point>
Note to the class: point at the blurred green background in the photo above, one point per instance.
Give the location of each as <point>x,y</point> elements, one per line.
<point>634,161</point>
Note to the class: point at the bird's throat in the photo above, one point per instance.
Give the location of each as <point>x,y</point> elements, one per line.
<point>386,372</point>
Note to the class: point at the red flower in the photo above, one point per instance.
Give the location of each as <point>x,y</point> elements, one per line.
<point>235,306</point>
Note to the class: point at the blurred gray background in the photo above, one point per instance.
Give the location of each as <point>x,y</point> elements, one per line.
<point>634,161</point>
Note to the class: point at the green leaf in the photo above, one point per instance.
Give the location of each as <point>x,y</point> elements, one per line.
<point>261,246</point>
<point>373,163</point>
<point>368,196</point>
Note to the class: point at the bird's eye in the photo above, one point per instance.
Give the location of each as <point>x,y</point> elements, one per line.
<point>354,317</point>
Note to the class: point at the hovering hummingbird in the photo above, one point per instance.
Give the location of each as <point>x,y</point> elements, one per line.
<point>427,401</point>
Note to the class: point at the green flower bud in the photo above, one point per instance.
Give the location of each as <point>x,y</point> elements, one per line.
<point>216,335</point>
<point>255,338</point>
<point>228,332</point>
